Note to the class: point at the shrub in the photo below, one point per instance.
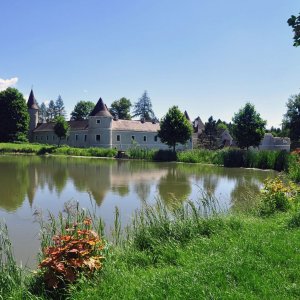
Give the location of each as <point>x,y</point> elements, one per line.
<point>165,155</point>
<point>71,246</point>
<point>278,196</point>
<point>233,158</point>
<point>79,251</point>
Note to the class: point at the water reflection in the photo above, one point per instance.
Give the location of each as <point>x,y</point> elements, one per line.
<point>174,187</point>
<point>21,177</point>
<point>27,183</point>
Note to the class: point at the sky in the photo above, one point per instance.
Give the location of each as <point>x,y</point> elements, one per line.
<point>206,57</point>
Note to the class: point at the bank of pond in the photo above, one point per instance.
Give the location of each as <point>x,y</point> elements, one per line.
<point>189,252</point>
<point>228,157</point>
<point>170,249</point>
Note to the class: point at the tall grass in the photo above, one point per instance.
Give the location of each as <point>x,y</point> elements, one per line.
<point>200,156</point>
<point>10,276</point>
<point>294,167</point>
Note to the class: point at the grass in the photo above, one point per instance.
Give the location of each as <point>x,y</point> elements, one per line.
<point>41,149</point>
<point>188,253</point>
<point>229,257</point>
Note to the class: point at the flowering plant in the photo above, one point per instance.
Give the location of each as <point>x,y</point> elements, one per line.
<point>78,251</point>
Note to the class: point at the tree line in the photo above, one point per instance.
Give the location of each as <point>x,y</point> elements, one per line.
<point>247,127</point>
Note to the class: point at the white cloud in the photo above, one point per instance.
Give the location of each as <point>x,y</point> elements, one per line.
<point>5,83</point>
<point>46,102</point>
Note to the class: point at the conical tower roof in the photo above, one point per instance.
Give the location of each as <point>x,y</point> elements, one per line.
<point>100,110</point>
<point>187,115</point>
<point>31,103</point>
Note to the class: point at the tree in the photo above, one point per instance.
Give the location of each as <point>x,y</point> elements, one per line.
<point>59,107</point>
<point>175,128</point>
<point>121,108</point>
<point>294,22</point>
<point>248,127</point>
<point>291,120</point>
<point>51,113</point>
<point>82,110</point>
<point>42,113</point>
<point>210,129</point>
<point>14,117</point>
<point>143,108</point>
<point>61,128</point>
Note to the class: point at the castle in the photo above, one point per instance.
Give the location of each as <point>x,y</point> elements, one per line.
<point>101,129</point>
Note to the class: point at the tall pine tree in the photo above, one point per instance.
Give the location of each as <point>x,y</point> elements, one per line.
<point>143,108</point>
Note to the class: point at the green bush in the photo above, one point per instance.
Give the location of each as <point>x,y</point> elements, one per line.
<point>294,167</point>
<point>165,155</point>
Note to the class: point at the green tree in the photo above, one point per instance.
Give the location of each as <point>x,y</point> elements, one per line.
<point>59,107</point>
<point>51,113</point>
<point>61,128</point>
<point>14,117</point>
<point>42,113</point>
<point>248,127</point>
<point>291,120</point>
<point>210,129</point>
<point>143,108</point>
<point>121,108</point>
<point>294,22</point>
<point>82,110</point>
<point>175,128</point>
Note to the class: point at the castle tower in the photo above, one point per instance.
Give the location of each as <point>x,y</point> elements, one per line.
<point>100,126</point>
<point>33,111</point>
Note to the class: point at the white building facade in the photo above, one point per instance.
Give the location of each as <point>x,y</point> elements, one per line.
<point>100,130</point>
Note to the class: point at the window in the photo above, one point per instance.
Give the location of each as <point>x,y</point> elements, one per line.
<point>47,137</point>
<point>85,136</point>
<point>133,137</point>
<point>145,138</point>
<point>97,137</point>
<point>53,137</point>
<point>155,138</point>
<point>118,138</point>
<point>98,121</point>
<point>76,137</point>
<point>41,138</point>
<point>36,137</point>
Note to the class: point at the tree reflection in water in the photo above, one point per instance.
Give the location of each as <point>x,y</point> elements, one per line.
<point>174,188</point>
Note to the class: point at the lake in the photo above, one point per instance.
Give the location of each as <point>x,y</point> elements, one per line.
<point>33,183</point>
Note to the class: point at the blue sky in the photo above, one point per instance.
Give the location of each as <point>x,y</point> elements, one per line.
<point>207,57</point>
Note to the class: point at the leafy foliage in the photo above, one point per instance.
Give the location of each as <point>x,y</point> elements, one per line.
<point>82,110</point>
<point>291,120</point>
<point>121,108</point>
<point>175,128</point>
<point>61,128</point>
<point>278,195</point>
<point>14,117</point>
<point>248,127</point>
<point>79,251</point>
<point>210,129</point>
<point>143,108</point>
<point>294,22</point>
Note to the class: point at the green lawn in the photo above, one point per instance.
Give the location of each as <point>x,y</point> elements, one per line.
<point>244,258</point>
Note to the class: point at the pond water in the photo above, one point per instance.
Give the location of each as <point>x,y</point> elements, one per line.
<point>31,183</point>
